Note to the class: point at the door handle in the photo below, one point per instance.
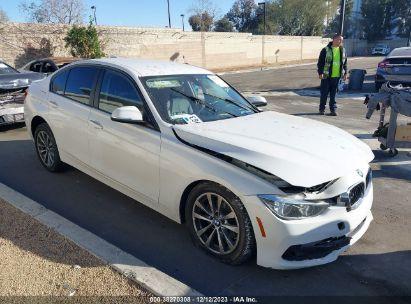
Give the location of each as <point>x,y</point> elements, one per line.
<point>97,124</point>
<point>54,104</point>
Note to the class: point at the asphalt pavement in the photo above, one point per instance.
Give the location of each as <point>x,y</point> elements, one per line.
<point>379,264</point>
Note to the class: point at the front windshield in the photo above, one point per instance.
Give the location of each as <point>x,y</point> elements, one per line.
<point>184,99</point>
<point>6,69</point>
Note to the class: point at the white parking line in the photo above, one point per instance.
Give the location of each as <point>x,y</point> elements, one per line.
<point>145,275</point>
<point>277,67</point>
<point>304,92</point>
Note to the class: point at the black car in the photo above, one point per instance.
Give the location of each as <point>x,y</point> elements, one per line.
<point>48,65</point>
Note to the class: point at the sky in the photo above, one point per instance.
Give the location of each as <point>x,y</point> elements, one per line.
<point>151,13</point>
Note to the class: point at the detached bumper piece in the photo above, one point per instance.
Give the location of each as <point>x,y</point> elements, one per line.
<point>315,250</point>
<point>11,108</point>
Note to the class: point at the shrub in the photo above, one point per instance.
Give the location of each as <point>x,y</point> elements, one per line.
<point>84,42</point>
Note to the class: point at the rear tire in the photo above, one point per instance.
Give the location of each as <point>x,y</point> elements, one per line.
<point>229,236</point>
<point>46,148</point>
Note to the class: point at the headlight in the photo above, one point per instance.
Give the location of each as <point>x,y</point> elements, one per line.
<point>293,207</point>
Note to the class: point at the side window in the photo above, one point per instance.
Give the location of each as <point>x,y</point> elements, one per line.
<point>48,68</point>
<point>117,91</point>
<point>35,67</point>
<point>80,83</point>
<point>59,83</point>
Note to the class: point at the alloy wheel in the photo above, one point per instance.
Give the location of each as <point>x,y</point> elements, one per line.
<point>45,148</point>
<point>215,223</point>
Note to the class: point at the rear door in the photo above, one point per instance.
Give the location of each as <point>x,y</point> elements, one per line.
<point>126,153</point>
<point>70,103</point>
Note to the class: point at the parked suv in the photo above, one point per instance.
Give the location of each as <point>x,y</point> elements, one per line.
<point>395,68</point>
<point>182,141</point>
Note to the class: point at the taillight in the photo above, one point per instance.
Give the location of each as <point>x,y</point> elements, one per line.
<point>383,64</point>
<point>26,91</point>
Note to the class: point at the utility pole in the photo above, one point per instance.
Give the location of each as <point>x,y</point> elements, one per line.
<point>168,8</point>
<point>94,8</point>
<point>342,16</point>
<point>264,16</point>
<point>262,4</point>
<point>182,20</point>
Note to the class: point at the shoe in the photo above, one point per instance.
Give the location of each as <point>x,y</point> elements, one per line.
<point>333,113</point>
<point>321,112</point>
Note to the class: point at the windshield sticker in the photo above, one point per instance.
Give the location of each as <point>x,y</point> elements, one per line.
<point>163,84</point>
<point>218,81</point>
<point>186,118</point>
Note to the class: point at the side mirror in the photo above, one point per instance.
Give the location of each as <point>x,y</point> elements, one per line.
<point>128,114</point>
<point>258,101</point>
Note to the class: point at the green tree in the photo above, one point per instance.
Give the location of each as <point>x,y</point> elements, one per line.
<point>201,22</point>
<point>402,11</point>
<point>223,25</point>
<point>334,26</point>
<point>296,17</point>
<point>84,42</point>
<point>377,18</point>
<point>243,14</point>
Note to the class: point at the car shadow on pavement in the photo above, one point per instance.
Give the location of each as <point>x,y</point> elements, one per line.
<point>12,127</point>
<point>166,245</point>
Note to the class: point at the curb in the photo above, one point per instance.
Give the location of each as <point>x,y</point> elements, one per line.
<point>150,278</point>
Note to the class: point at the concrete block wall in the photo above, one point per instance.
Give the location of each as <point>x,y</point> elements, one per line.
<point>22,42</point>
<point>357,47</point>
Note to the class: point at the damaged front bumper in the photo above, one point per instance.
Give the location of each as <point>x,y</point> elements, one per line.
<point>11,108</point>
<point>312,241</point>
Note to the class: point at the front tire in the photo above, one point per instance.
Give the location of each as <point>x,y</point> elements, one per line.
<point>46,148</point>
<point>218,223</point>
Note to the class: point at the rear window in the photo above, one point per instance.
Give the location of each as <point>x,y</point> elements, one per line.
<point>80,84</point>
<point>399,60</point>
<point>58,83</point>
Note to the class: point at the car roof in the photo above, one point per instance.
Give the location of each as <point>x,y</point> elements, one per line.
<point>401,52</point>
<point>145,67</point>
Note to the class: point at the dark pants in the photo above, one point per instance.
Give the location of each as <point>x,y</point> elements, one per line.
<point>329,86</point>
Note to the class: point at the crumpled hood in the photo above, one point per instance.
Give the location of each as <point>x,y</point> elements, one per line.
<point>18,81</point>
<point>301,151</point>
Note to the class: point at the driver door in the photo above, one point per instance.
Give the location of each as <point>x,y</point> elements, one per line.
<point>126,153</point>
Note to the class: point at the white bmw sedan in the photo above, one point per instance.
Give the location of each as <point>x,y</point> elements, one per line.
<point>179,139</point>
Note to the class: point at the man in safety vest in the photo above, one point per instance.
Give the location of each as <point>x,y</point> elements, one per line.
<point>332,66</point>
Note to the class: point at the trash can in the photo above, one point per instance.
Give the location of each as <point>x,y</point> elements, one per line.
<point>356,79</point>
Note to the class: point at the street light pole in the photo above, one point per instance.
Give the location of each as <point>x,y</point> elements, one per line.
<point>265,32</point>
<point>342,16</point>
<point>168,8</point>
<point>264,17</point>
<point>182,20</point>
<point>94,8</point>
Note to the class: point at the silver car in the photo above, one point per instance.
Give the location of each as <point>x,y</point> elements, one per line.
<point>395,68</point>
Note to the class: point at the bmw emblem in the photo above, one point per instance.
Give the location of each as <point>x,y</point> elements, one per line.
<point>360,173</point>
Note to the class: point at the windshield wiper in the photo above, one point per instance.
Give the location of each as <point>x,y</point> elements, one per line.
<point>202,102</point>
<point>229,101</point>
